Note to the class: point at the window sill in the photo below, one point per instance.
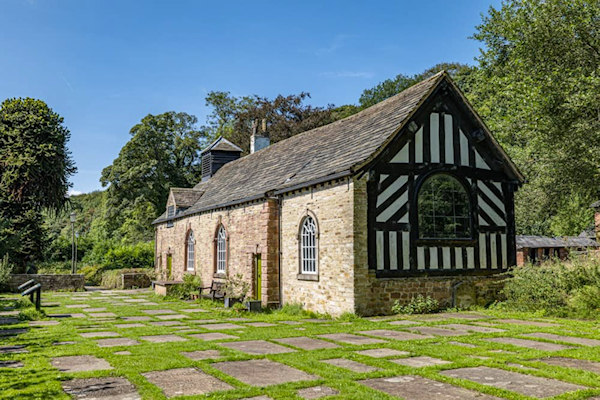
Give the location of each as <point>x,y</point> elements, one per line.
<point>219,275</point>
<point>308,277</point>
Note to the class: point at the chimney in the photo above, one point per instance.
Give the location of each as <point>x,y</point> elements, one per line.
<point>259,141</point>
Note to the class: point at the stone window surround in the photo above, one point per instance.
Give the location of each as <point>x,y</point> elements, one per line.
<point>186,252</point>
<point>216,273</point>
<point>308,276</point>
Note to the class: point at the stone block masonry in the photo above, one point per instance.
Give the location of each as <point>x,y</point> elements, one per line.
<point>49,282</point>
<point>252,229</point>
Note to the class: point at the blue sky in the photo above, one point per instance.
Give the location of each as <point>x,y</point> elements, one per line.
<point>103,65</point>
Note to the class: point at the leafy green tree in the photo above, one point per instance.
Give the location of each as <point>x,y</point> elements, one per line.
<point>164,152</point>
<point>35,165</point>
<point>285,116</point>
<point>391,87</point>
<point>538,89</point>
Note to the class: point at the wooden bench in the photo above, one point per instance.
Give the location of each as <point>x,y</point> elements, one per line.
<point>216,290</point>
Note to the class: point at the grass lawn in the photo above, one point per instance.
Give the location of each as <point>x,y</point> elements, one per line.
<point>456,344</point>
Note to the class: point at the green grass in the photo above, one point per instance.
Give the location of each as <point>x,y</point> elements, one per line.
<point>39,380</point>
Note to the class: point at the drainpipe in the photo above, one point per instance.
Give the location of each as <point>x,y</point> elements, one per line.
<point>279,208</point>
<point>454,289</point>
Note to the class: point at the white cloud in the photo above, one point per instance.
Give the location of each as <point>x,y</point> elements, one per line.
<point>73,193</point>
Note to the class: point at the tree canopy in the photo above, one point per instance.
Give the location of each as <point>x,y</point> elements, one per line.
<point>537,86</point>
<point>35,166</point>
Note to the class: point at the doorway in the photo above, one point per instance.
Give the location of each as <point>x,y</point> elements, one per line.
<point>169,267</point>
<point>257,277</point>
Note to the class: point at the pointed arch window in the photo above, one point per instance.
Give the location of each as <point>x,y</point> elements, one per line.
<point>190,251</point>
<point>308,246</point>
<point>221,250</point>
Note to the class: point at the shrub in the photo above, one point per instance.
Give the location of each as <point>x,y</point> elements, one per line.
<point>54,267</point>
<point>555,287</point>
<point>5,270</point>
<point>190,285</point>
<point>237,287</point>
<point>140,255</point>
<point>93,274</point>
<point>417,305</point>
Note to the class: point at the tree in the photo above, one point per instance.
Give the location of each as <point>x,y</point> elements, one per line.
<point>164,152</point>
<point>285,116</point>
<point>391,87</point>
<point>538,89</point>
<point>35,165</point>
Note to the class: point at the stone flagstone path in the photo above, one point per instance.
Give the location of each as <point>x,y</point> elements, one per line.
<point>182,350</point>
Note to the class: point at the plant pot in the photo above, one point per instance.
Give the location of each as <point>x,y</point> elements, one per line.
<point>253,305</point>
<point>228,302</point>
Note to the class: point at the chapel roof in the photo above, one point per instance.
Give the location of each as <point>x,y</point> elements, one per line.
<point>329,152</point>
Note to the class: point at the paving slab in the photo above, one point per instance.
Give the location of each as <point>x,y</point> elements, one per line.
<point>434,330</point>
<point>102,314</point>
<point>395,335</point>
<point>169,317</point>
<point>349,338</point>
<point>471,328</point>
<point>159,312</point>
<point>257,398</point>
<point>129,326</point>
<point>452,315</point>
<point>212,336</point>
<point>260,324</point>
<point>527,385</point>
<point>353,366</point>
<point>163,338</point>
<point>9,313</point>
<point>117,342</point>
<point>136,318</point>
<point>239,319</point>
<point>11,364</point>
<point>43,323</point>
<point>565,339</point>
<point>123,353</point>
<point>13,349</point>
<point>418,388</point>
<point>111,388</point>
<point>193,310</point>
<point>262,372</point>
<point>316,320</point>
<point>526,322</point>
<point>80,363</point>
<point>204,321</point>
<point>202,354</point>
<point>64,343</point>
<point>100,334</point>
<point>257,347</point>
<point>290,322</point>
<point>530,344</point>
<point>306,343</point>
<point>185,382</point>
<point>9,321</point>
<point>135,301</point>
<point>316,392</point>
<point>574,363</point>
<point>383,352</point>
<point>77,306</point>
<point>13,332</point>
<point>218,327</point>
<point>403,322</point>
<point>420,361</point>
<point>94,310</point>
<point>165,323</point>
<point>148,303</point>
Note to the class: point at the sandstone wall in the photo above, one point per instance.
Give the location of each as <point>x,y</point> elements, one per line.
<point>49,282</point>
<point>332,207</point>
<point>251,229</point>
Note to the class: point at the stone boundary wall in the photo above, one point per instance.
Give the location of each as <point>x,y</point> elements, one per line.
<point>134,280</point>
<point>49,282</point>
